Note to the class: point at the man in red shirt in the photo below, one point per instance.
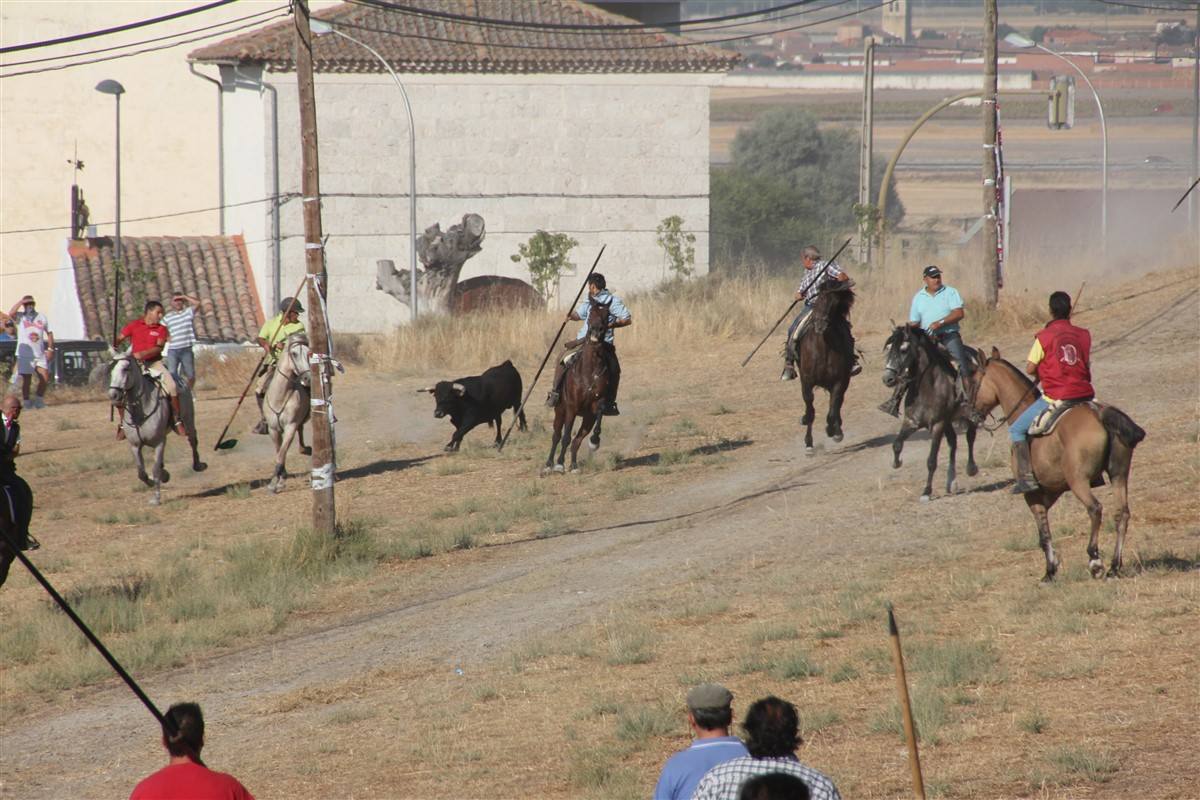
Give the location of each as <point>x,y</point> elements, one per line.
<point>147,337</point>
<point>1061,358</point>
<point>185,775</point>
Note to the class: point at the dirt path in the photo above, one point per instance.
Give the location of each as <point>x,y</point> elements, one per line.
<point>471,607</point>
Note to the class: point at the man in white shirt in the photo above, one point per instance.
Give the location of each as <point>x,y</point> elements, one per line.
<point>35,348</point>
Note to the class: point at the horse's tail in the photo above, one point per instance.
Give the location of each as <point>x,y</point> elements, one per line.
<point>1118,424</point>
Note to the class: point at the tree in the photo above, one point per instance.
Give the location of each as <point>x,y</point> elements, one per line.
<point>791,184</point>
<point>679,247</point>
<point>443,253</point>
<point>545,255</point>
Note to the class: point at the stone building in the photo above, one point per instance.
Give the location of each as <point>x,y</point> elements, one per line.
<point>599,134</point>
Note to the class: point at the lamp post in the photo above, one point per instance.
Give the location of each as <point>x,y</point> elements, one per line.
<point>1024,42</point>
<point>320,27</point>
<point>116,90</point>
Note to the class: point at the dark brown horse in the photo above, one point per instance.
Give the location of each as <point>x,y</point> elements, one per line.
<point>913,359</point>
<point>824,358</point>
<point>583,390</point>
<point>1082,445</point>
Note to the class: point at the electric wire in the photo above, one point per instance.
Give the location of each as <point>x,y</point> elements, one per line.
<point>116,29</point>
<point>283,198</point>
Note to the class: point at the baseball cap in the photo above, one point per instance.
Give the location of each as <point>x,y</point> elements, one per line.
<point>709,695</point>
<point>932,272</point>
<point>290,304</point>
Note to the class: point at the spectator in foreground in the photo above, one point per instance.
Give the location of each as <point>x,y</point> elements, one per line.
<point>709,714</point>
<point>772,734</point>
<point>774,786</point>
<point>185,775</point>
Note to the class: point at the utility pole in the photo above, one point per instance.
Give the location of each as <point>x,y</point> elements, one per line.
<point>991,254</point>
<point>1192,204</point>
<point>866,149</point>
<point>323,458</point>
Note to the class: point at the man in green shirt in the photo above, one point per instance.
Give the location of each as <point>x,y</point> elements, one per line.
<point>271,339</point>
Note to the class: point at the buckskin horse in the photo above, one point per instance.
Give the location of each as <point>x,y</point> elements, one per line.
<point>1087,440</point>
<point>912,358</point>
<point>148,419</point>
<point>584,387</point>
<point>824,358</point>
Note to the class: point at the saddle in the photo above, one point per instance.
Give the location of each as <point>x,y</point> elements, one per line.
<point>1045,422</point>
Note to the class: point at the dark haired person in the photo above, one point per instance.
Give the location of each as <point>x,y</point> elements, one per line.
<point>709,714</point>
<point>618,317</point>
<point>185,777</point>
<point>1061,358</point>
<point>774,786</point>
<point>772,734</point>
<point>147,337</point>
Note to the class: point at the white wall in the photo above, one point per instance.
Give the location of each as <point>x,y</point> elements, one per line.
<point>602,157</point>
<point>852,82</point>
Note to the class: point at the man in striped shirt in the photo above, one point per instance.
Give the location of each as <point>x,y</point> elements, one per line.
<point>816,274</point>
<point>181,361</point>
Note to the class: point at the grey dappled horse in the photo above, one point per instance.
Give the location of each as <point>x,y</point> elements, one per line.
<point>148,419</point>
<point>286,404</point>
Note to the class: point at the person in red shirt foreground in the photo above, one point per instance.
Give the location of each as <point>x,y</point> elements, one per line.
<point>1061,358</point>
<point>147,337</point>
<point>185,777</point>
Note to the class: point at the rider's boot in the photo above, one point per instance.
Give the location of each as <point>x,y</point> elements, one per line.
<point>1023,469</point>
<point>892,405</point>
<point>555,393</point>
<point>177,415</point>
<point>855,367</point>
<point>261,427</point>
<point>789,371</point>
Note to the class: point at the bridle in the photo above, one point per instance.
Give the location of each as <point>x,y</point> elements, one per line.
<point>131,399</point>
<point>981,420</point>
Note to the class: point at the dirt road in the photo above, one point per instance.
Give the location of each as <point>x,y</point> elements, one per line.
<point>468,609</point>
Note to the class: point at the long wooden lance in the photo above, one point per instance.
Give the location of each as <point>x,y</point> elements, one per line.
<point>1179,202</point>
<point>789,309</point>
<point>910,733</point>
<point>553,344</point>
<point>87,632</point>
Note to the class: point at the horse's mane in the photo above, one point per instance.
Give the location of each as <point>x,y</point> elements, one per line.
<point>930,346</point>
<point>833,301</point>
<point>1021,376</point>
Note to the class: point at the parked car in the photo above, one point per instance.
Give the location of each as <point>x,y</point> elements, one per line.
<point>74,362</point>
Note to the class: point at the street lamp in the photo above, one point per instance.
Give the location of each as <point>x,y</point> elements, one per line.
<point>320,27</point>
<point>116,90</point>
<point>1024,42</point>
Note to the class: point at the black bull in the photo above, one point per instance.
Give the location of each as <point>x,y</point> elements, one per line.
<point>478,399</point>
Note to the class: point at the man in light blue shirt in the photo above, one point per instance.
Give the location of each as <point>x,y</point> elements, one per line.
<point>709,714</point>
<point>618,317</point>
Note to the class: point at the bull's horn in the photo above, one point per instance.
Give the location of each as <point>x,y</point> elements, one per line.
<point>426,389</point>
<point>459,389</point>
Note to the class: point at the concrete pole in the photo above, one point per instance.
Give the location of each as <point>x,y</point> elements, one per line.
<point>117,243</point>
<point>866,146</point>
<point>991,262</point>
<point>324,515</point>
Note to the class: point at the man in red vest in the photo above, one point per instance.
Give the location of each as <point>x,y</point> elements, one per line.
<point>1061,359</point>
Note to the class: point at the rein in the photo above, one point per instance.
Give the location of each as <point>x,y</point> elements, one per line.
<point>1002,420</point>
<point>132,398</point>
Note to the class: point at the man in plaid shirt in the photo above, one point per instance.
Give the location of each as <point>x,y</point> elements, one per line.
<point>772,734</point>
<point>816,274</point>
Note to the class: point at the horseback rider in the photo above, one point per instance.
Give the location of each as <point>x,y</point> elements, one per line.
<point>937,309</point>
<point>817,274</point>
<point>147,337</point>
<point>1060,358</point>
<point>271,338</point>
<point>17,493</point>
<point>618,317</point>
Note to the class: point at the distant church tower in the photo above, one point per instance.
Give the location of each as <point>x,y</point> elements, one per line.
<point>897,20</point>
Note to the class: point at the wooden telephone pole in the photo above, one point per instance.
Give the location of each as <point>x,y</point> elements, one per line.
<point>866,149</point>
<point>323,458</point>
<point>991,253</point>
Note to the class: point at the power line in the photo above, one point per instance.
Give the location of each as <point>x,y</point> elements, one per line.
<point>282,198</point>
<point>144,50</point>
<point>595,48</point>
<point>144,41</point>
<point>567,26</point>
<point>118,29</point>
<point>1187,7</point>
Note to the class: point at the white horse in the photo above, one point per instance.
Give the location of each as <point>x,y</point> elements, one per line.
<point>148,419</point>
<point>286,405</point>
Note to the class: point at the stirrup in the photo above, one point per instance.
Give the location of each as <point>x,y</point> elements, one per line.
<point>855,369</point>
<point>552,399</point>
<point>788,374</point>
<point>31,543</point>
<point>610,409</point>
<point>891,406</point>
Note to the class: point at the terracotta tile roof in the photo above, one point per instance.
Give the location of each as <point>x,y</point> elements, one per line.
<point>213,269</point>
<point>413,43</point>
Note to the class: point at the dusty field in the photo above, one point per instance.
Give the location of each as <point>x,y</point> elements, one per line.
<point>497,634</point>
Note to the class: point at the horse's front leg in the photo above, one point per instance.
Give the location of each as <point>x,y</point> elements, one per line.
<point>952,444</point>
<point>161,475</point>
<point>972,467</point>
<point>833,420</point>
<point>1039,506</point>
<point>556,437</point>
<point>806,390</point>
<point>594,441</point>
<point>936,432</point>
<point>586,421</point>
<point>906,431</point>
<point>140,462</point>
<point>194,441</point>
<point>283,441</point>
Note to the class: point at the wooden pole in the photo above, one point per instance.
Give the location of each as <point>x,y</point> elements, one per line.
<point>866,147</point>
<point>910,732</point>
<point>323,457</point>
<point>991,252</point>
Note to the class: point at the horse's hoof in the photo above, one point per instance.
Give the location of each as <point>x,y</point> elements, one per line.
<point>896,464</point>
<point>1047,579</point>
<point>1113,572</point>
<point>925,498</point>
<point>593,446</point>
<point>575,470</point>
<point>559,469</point>
<point>166,476</point>
<point>808,451</point>
<point>199,466</point>
<point>155,501</point>
<point>952,487</point>
<point>837,437</point>
<point>276,489</point>
<point>306,451</point>
<point>547,470</point>
<point>972,470</point>
<point>1096,567</point>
